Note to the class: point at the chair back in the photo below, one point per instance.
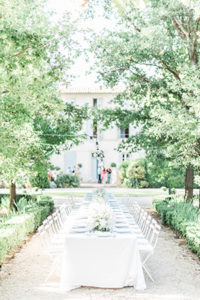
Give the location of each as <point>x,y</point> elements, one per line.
<point>155,230</point>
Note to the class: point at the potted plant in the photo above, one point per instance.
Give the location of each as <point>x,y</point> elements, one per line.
<point>113,165</point>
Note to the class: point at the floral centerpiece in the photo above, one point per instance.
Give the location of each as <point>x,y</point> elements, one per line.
<point>99,196</point>
<point>100,192</point>
<point>100,217</point>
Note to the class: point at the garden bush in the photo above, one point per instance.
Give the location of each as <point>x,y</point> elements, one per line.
<point>40,177</point>
<point>151,172</point>
<point>193,238</point>
<point>122,171</point>
<point>15,227</point>
<point>133,173</point>
<point>40,181</point>
<point>67,181</point>
<point>113,165</point>
<point>28,197</point>
<point>181,216</point>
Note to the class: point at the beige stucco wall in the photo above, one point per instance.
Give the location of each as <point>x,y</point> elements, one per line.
<point>108,141</point>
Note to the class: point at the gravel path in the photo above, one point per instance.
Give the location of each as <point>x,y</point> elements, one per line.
<point>175,269</point>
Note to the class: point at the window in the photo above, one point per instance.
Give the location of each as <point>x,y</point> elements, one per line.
<point>69,100</point>
<point>94,102</point>
<point>124,133</point>
<point>125,156</point>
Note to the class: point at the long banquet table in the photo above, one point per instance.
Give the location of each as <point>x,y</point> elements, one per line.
<point>101,259</point>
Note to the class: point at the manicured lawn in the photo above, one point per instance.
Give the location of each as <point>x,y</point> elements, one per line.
<point>141,194</point>
<point>119,193</point>
<point>65,194</point>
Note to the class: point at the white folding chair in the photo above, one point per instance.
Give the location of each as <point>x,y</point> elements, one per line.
<point>147,226</point>
<point>147,246</point>
<point>53,249</point>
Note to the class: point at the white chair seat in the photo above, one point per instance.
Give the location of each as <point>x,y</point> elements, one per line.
<point>144,246</point>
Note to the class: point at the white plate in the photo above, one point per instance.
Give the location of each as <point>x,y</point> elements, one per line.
<point>78,231</point>
<point>121,226</point>
<point>122,230</point>
<point>120,222</point>
<point>79,227</point>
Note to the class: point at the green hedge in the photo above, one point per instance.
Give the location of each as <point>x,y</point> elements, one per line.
<point>193,238</point>
<point>151,172</point>
<point>67,181</point>
<point>183,217</point>
<point>28,197</point>
<point>14,229</point>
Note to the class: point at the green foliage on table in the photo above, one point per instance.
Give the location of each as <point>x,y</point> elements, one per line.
<point>182,217</point>
<point>14,228</point>
<point>67,181</point>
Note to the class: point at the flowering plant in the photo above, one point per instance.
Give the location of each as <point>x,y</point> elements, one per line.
<point>100,217</point>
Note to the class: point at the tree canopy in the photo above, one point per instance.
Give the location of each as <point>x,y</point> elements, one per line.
<point>35,57</point>
<point>154,52</point>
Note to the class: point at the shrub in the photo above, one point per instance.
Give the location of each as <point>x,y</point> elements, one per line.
<point>45,201</point>
<point>40,181</point>
<point>173,191</point>
<point>40,176</point>
<point>193,238</point>
<point>113,165</point>
<point>156,171</point>
<point>29,197</point>
<point>163,188</point>
<point>144,184</point>
<point>136,169</point>
<point>181,216</point>
<point>22,203</point>
<point>4,202</point>
<point>133,173</point>
<point>122,171</point>
<point>14,229</point>
<point>67,181</point>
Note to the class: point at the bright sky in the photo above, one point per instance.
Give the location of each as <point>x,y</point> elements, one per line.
<point>97,24</point>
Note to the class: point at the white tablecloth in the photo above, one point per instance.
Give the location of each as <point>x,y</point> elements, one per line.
<point>105,262</point>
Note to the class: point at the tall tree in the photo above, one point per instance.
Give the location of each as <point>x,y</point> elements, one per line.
<point>154,52</point>
<point>35,56</point>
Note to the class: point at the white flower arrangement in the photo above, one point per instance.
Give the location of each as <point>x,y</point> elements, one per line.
<point>100,192</point>
<point>99,196</point>
<point>99,199</point>
<point>100,217</point>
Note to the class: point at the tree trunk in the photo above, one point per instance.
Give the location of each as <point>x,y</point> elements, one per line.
<point>189,178</point>
<point>12,196</point>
